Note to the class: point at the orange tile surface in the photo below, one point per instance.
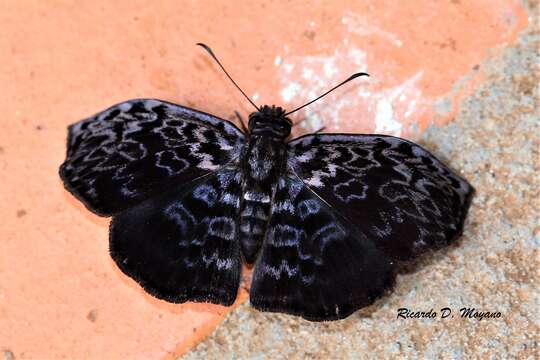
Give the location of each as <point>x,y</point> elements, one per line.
<point>60,293</point>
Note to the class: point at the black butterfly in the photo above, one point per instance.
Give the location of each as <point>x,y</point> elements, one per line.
<point>324,218</point>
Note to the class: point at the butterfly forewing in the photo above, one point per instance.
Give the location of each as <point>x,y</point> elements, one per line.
<point>395,193</point>
<point>182,245</point>
<point>137,148</point>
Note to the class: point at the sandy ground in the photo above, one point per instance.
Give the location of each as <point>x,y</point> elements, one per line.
<point>494,142</point>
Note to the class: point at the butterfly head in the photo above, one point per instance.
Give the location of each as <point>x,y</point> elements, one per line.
<point>270,121</point>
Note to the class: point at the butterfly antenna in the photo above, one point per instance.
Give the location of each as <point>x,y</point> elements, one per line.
<point>209,51</point>
<point>352,77</point>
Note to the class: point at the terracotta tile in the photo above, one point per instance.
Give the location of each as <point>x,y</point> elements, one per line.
<point>60,293</point>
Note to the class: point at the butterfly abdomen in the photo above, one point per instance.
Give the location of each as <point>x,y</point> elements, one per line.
<point>253,220</point>
<point>261,163</point>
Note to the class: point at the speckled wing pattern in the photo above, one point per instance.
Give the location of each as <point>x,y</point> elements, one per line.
<point>137,148</point>
<point>351,208</point>
<point>394,192</point>
<point>182,245</point>
<point>164,172</point>
<point>314,263</point>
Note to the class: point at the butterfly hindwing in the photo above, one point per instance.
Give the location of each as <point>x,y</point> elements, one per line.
<point>395,192</point>
<point>314,263</point>
<point>183,244</point>
<point>133,150</point>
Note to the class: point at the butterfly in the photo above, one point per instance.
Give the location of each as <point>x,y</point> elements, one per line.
<point>325,220</point>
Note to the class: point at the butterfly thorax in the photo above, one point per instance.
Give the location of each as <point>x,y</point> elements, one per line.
<point>262,163</point>
<point>270,122</point>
